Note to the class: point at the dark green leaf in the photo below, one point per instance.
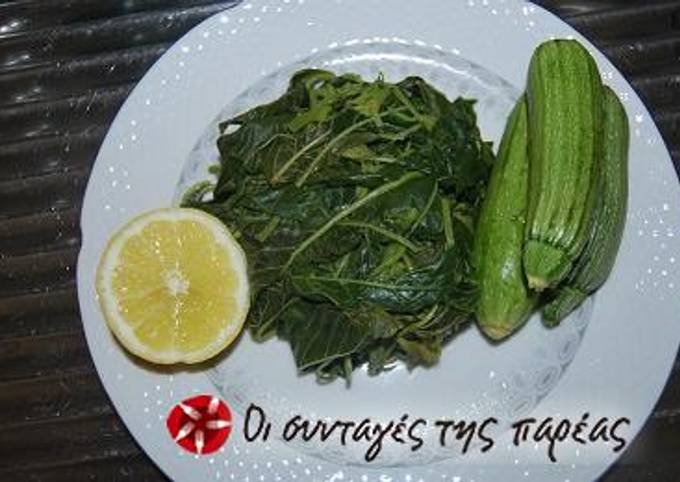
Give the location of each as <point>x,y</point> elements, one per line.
<point>356,204</point>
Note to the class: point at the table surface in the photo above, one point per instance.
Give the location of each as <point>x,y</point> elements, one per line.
<point>66,66</point>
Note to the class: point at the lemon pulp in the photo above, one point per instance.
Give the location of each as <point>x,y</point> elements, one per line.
<point>173,286</point>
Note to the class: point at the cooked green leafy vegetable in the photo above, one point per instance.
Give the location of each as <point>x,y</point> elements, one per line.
<point>355,203</point>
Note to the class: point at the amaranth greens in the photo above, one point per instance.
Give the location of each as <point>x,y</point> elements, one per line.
<point>355,203</point>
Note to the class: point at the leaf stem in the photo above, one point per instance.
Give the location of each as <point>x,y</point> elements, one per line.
<point>333,142</point>
<point>268,229</point>
<point>349,210</point>
<point>405,101</point>
<point>264,326</point>
<point>343,264</point>
<point>446,220</point>
<point>426,209</point>
<point>421,323</point>
<point>359,282</point>
<point>282,170</point>
<point>385,232</point>
<point>403,134</point>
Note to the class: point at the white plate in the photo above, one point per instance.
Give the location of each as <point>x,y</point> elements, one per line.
<point>610,359</point>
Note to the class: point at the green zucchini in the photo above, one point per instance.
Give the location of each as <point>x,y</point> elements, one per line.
<point>597,260</point>
<point>505,302</point>
<point>564,95</point>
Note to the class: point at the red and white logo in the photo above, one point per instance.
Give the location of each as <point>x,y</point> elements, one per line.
<point>200,424</point>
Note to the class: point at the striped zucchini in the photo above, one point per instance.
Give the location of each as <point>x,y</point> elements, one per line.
<point>505,301</point>
<point>564,95</point>
<point>597,260</point>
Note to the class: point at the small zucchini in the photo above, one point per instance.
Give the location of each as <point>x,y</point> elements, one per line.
<point>564,95</point>
<point>505,301</point>
<point>597,260</point>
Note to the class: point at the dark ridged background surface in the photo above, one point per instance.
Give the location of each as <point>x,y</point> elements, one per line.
<point>66,66</point>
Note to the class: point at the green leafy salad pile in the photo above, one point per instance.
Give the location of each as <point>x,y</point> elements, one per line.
<point>355,203</point>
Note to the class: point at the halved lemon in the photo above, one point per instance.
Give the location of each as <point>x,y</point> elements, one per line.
<point>173,286</point>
